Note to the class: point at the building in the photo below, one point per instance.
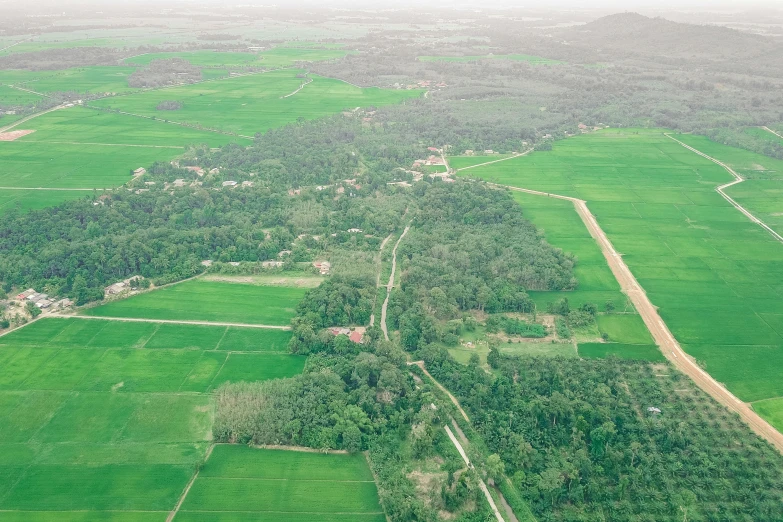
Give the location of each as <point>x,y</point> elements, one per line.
<point>356,337</point>
<point>229,183</point>
<point>354,230</point>
<point>197,170</point>
<point>323,266</point>
<point>272,264</point>
<point>140,171</point>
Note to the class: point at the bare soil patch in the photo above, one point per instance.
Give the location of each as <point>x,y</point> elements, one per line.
<point>13,135</point>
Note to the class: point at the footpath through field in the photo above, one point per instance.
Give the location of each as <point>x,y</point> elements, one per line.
<point>773,132</point>
<point>169,321</point>
<point>661,334</point>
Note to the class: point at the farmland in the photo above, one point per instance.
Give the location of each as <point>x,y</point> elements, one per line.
<point>239,483</point>
<point>273,58</point>
<point>210,301</point>
<point>711,271</point>
<point>96,79</point>
<point>11,96</point>
<point>110,416</point>
<point>256,103</point>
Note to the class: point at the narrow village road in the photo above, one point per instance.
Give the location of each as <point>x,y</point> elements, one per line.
<point>169,321</point>
<point>380,269</point>
<point>442,388</point>
<point>28,118</point>
<point>390,284</point>
<point>773,132</point>
<point>482,485</point>
<point>663,337</point>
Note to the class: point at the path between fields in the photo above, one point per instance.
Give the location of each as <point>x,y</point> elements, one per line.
<point>663,337</point>
<point>380,269</point>
<point>514,155</point>
<point>17,43</point>
<point>773,132</point>
<point>310,80</point>
<point>482,485</point>
<point>737,179</point>
<point>390,284</point>
<point>182,497</point>
<point>169,321</point>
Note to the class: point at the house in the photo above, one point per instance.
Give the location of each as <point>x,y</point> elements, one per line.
<point>400,183</point>
<point>272,264</point>
<point>340,331</point>
<point>27,293</point>
<point>149,183</point>
<point>294,192</point>
<point>354,230</point>
<point>140,171</point>
<point>469,152</point>
<point>179,182</point>
<point>489,151</point>
<point>229,183</point>
<point>284,253</point>
<point>654,410</point>
<point>207,263</point>
<point>433,149</point>
<point>323,266</point>
<point>63,303</point>
<point>197,170</point>
<point>356,337</point>
<point>215,171</point>
<point>247,183</point>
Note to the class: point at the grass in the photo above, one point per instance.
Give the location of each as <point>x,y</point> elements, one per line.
<point>713,274</point>
<point>624,328</point>
<point>637,352</point>
<point>260,484</point>
<point>98,424</point>
<point>536,60</point>
<point>772,410</point>
<point>197,300</point>
<point>256,103</point>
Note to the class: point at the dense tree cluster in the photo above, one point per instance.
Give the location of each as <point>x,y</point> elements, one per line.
<point>167,71</point>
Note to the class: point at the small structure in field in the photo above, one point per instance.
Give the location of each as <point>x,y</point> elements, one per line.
<point>140,171</point>
<point>323,266</point>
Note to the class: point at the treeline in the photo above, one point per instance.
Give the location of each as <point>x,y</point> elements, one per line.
<point>167,71</point>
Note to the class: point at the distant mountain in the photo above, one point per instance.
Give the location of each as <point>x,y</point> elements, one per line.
<point>632,34</point>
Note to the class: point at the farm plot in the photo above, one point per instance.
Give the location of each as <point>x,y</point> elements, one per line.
<point>256,103</point>
<point>461,162</point>
<point>106,420</point>
<point>86,149</point>
<point>11,96</point>
<point>239,483</point>
<point>212,301</point>
<point>273,58</point>
<point>713,274</point>
<point>98,79</point>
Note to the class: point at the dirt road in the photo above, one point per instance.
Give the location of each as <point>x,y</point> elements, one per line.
<point>169,321</point>
<point>390,284</point>
<point>380,269</point>
<point>663,337</point>
<point>773,132</point>
<point>442,388</point>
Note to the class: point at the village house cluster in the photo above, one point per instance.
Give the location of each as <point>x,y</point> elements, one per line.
<point>43,301</point>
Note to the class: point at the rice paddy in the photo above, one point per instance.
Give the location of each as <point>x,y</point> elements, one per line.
<point>255,103</point>
<point>213,301</point>
<point>108,419</point>
<point>712,273</point>
<point>240,483</point>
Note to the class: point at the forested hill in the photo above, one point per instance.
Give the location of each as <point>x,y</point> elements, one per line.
<point>632,34</point>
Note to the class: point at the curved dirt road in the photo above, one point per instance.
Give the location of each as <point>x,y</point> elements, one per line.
<point>663,337</point>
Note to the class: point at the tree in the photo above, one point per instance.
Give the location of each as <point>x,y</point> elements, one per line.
<point>495,468</point>
<point>33,309</point>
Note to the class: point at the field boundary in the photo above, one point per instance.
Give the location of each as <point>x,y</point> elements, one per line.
<point>169,321</point>
<point>514,155</point>
<point>30,117</point>
<point>662,336</point>
<point>184,495</point>
<point>737,180</point>
<point>308,82</point>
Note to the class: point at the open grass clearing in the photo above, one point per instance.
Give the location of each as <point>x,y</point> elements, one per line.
<point>255,103</point>
<point>712,273</point>
<point>209,301</point>
<point>259,484</point>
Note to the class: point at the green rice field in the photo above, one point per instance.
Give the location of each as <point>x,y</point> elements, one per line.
<point>239,483</point>
<point>107,420</point>
<point>11,96</point>
<point>636,352</point>
<point>255,103</point>
<point>214,301</point>
<point>273,58</point>
<point>537,60</point>
<point>95,79</point>
<point>714,275</point>
<point>772,410</point>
